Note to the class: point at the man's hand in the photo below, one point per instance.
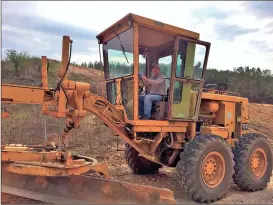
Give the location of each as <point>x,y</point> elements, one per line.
<point>144,78</point>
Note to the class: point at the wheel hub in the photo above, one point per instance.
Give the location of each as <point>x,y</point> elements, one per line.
<point>210,167</point>
<point>255,161</point>
<point>258,163</point>
<point>213,169</point>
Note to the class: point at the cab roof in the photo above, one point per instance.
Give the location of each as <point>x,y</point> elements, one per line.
<point>167,28</point>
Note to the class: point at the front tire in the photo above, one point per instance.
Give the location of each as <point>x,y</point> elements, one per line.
<point>205,168</point>
<point>138,164</point>
<point>253,162</point>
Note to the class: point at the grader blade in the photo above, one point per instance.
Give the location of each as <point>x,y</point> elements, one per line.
<point>82,190</point>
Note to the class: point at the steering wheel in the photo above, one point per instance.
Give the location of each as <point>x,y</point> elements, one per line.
<point>141,84</point>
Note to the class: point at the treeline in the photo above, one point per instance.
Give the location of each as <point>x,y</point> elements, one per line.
<point>95,65</point>
<point>253,83</point>
<point>118,68</point>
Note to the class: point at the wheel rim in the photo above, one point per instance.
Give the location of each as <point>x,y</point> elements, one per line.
<point>258,163</point>
<point>213,169</point>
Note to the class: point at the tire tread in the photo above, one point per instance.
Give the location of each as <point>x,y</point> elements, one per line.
<point>241,176</point>
<point>185,166</point>
<point>136,164</point>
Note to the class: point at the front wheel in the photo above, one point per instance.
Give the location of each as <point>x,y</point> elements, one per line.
<point>138,164</point>
<point>205,168</point>
<point>253,162</point>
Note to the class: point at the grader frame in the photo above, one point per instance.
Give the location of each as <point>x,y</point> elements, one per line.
<point>218,117</point>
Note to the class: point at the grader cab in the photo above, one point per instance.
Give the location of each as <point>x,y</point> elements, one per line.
<point>195,131</point>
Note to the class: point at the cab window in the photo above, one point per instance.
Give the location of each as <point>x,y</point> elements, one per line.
<point>165,64</point>
<point>190,60</point>
<point>119,62</point>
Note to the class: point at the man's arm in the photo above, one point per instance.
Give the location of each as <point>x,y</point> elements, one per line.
<point>157,81</point>
<point>145,82</point>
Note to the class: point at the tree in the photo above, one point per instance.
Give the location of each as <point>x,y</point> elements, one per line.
<point>17,58</point>
<point>97,65</point>
<point>90,65</point>
<point>74,63</point>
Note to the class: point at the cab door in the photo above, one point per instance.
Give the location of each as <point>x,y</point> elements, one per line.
<point>187,79</point>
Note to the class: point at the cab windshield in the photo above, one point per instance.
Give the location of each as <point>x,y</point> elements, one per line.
<point>118,53</point>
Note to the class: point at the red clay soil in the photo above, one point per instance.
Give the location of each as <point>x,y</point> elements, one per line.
<point>261,120</point>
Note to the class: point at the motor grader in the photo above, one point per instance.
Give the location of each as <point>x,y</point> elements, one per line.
<point>202,132</point>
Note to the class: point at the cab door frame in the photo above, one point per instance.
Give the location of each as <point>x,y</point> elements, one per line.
<point>187,80</point>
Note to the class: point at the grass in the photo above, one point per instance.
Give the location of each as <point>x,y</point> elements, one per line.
<point>78,77</point>
<point>26,126</point>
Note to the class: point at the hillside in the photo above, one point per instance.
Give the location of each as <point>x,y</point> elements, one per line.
<point>261,116</point>
<point>30,74</point>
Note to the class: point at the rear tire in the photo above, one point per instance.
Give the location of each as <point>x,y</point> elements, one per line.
<point>138,164</point>
<point>205,168</point>
<point>253,162</point>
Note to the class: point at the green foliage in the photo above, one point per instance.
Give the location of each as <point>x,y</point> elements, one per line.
<point>252,83</point>
<point>75,64</point>
<point>98,66</point>
<point>17,58</point>
<point>90,65</point>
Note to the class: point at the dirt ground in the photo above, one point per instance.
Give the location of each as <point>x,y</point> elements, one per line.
<point>261,121</point>
<point>166,178</point>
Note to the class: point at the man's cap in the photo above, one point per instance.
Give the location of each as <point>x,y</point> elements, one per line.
<point>155,65</point>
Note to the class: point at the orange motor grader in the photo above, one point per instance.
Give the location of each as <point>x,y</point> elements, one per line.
<point>202,132</point>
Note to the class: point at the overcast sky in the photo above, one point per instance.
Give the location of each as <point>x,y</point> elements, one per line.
<point>241,33</point>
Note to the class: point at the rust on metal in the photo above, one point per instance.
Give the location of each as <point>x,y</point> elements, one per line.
<point>44,72</point>
<point>87,189</point>
<point>36,161</point>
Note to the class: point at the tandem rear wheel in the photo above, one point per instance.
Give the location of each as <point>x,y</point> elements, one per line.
<point>253,162</point>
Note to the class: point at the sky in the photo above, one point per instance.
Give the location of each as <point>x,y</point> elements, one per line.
<point>240,33</point>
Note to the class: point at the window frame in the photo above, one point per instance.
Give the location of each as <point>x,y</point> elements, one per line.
<point>187,80</point>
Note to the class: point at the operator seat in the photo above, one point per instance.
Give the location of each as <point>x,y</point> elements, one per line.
<point>158,105</point>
